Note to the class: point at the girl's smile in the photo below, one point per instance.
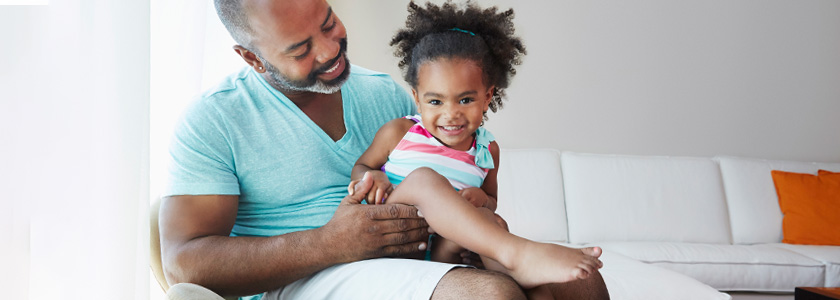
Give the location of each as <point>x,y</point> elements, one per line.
<point>452,130</point>
<point>451,97</point>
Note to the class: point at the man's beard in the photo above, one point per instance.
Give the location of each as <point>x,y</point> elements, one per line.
<point>312,83</point>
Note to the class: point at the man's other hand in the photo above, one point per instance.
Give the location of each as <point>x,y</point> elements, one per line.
<point>370,231</point>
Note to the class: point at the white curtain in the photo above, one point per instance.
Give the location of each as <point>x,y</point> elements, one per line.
<point>74,146</point>
<point>191,51</point>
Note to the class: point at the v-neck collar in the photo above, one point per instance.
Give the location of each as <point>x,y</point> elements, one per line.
<point>346,107</point>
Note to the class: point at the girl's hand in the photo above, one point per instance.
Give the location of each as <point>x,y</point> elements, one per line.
<point>380,190</point>
<point>475,196</point>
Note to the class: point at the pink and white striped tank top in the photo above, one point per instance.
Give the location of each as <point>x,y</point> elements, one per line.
<point>419,148</point>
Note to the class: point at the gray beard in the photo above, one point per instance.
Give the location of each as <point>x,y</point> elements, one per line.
<point>320,87</point>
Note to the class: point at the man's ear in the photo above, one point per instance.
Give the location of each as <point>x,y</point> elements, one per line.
<point>250,58</point>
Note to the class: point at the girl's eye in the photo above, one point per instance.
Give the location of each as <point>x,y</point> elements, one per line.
<point>435,102</point>
<point>467,100</point>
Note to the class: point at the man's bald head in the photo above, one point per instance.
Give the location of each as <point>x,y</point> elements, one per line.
<point>235,18</point>
<point>297,45</point>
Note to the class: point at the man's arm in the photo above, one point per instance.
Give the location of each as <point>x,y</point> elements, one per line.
<point>196,246</point>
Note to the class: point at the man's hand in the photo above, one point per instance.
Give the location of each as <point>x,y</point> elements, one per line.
<point>382,187</point>
<point>475,196</point>
<point>370,231</point>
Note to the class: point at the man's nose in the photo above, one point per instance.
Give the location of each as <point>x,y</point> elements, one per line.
<point>327,48</point>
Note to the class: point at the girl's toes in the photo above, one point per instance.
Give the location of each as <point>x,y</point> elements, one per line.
<point>592,251</point>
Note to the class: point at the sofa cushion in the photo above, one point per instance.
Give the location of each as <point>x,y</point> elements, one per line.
<point>759,267</point>
<point>828,255</point>
<point>751,196</point>
<point>530,194</point>
<point>636,198</point>
<point>629,279</point>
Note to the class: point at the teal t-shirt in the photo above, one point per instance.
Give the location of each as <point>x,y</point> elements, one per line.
<point>245,138</point>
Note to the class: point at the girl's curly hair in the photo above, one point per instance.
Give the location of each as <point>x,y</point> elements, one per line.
<point>447,31</point>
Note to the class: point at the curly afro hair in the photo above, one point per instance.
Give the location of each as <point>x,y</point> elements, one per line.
<point>468,32</point>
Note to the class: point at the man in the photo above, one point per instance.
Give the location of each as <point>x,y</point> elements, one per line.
<point>260,165</point>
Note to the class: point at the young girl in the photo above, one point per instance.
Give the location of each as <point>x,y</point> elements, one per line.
<point>458,63</point>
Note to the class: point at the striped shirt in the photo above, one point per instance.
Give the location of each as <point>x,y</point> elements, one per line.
<point>419,148</point>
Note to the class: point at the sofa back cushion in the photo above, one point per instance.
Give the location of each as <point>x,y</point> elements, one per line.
<point>644,198</point>
<point>751,196</point>
<point>531,194</point>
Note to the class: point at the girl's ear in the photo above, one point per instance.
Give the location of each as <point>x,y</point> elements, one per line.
<point>416,100</point>
<point>489,97</point>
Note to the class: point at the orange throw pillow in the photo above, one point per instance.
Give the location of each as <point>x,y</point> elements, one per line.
<point>810,207</point>
<point>826,172</point>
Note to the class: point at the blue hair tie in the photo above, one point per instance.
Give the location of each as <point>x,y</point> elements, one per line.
<point>461,30</point>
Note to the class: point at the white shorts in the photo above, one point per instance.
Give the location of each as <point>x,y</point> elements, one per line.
<point>382,278</point>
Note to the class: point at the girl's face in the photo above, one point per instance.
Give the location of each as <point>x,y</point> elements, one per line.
<point>452,98</point>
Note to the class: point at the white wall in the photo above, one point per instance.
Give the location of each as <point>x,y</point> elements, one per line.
<point>656,77</point>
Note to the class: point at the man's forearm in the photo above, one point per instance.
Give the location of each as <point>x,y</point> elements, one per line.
<point>196,248</point>
<point>239,266</point>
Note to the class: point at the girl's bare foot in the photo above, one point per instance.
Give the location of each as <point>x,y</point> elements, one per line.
<point>538,263</point>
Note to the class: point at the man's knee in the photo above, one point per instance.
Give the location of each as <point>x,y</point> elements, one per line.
<point>592,288</point>
<point>467,283</point>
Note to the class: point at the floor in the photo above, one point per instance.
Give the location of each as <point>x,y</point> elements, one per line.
<point>757,296</point>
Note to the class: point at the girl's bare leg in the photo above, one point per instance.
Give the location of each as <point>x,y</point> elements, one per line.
<point>528,262</point>
<point>447,251</point>
<point>490,263</point>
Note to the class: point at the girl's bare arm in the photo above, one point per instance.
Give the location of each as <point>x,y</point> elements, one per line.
<point>386,139</point>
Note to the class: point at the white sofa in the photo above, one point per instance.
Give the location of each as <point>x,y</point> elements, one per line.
<point>670,227</point>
